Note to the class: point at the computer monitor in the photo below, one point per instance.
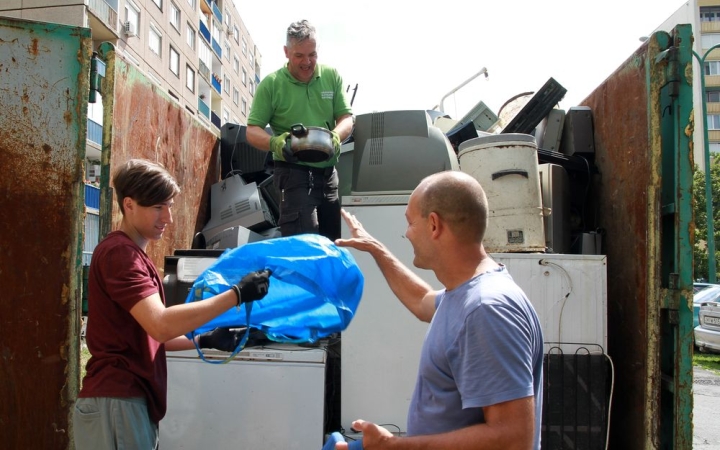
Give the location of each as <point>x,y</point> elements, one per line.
<point>233,203</point>
<point>394,150</point>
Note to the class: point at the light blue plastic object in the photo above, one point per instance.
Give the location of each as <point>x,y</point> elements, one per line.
<point>337,437</point>
<point>315,288</point>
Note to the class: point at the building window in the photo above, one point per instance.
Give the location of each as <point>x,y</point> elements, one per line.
<point>190,78</point>
<point>712,96</point>
<point>709,14</point>
<point>708,40</point>
<point>228,18</point>
<point>244,46</point>
<point>190,36</point>
<point>252,88</point>
<point>712,67</point>
<point>236,96</point>
<point>243,106</point>
<point>158,3</point>
<point>244,77</point>
<point>714,147</point>
<point>174,16</point>
<point>250,58</point>
<point>155,40</point>
<point>226,116</point>
<point>713,121</point>
<point>132,16</point>
<point>236,34</point>
<point>191,4</point>
<point>174,61</point>
<point>226,83</point>
<point>236,64</point>
<point>227,49</point>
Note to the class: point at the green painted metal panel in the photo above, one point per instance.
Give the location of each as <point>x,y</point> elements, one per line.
<point>43,92</point>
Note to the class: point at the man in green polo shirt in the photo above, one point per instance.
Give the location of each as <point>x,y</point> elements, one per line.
<point>311,94</point>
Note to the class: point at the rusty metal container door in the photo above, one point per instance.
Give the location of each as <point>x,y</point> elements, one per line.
<point>44,88</point>
<point>643,150</point>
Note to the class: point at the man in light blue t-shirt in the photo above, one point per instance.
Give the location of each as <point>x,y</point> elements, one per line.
<point>479,383</point>
<point>311,94</point>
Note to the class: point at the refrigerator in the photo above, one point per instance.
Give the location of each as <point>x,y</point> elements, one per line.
<point>381,346</point>
<point>269,398</point>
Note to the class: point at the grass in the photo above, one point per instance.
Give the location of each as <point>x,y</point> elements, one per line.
<point>708,361</point>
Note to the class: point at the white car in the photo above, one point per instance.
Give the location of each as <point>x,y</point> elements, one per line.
<point>707,334</point>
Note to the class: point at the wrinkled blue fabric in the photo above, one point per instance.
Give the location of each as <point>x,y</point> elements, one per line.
<point>315,287</point>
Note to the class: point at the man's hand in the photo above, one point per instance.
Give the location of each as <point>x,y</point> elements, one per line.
<point>221,338</point>
<point>337,142</point>
<point>280,146</point>
<point>254,286</point>
<point>374,436</point>
<point>361,239</point>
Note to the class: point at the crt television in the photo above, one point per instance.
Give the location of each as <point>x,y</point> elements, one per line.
<point>394,150</point>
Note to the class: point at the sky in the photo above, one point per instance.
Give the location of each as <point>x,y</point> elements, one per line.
<point>401,55</point>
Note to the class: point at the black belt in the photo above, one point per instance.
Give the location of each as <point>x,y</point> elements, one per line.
<point>324,171</point>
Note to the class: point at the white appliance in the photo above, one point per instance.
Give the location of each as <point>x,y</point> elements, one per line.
<point>381,346</point>
<point>569,293</point>
<point>506,166</point>
<point>269,398</point>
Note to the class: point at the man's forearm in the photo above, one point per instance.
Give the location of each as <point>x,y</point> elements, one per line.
<point>258,138</point>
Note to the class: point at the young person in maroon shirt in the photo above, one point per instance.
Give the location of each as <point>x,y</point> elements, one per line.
<point>124,393</point>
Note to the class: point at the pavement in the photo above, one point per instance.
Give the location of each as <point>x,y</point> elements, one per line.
<point>706,400</point>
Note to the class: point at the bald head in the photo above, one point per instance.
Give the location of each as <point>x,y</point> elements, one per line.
<point>458,199</point>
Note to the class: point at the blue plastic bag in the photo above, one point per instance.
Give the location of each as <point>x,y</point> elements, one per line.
<point>315,288</point>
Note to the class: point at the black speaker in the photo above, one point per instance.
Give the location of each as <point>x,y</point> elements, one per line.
<point>237,156</point>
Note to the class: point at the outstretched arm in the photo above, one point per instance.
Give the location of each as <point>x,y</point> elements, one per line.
<point>417,295</point>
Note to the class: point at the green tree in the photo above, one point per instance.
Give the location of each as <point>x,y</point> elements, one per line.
<point>700,255</point>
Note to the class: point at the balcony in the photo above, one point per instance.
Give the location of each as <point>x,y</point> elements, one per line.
<point>105,10</point>
<point>216,48</point>
<point>205,32</point>
<point>204,70</point>
<point>203,108</point>
<point>94,132</point>
<point>215,119</point>
<point>216,83</point>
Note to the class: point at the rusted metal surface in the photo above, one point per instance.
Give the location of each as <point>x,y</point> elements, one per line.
<point>43,92</point>
<point>627,115</point>
<point>148,123</point>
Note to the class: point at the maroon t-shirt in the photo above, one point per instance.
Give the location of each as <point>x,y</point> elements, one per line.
<point>125,361</point>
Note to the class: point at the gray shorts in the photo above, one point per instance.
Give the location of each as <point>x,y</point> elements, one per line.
<point>102,423</point>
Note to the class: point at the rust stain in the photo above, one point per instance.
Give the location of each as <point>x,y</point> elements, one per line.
<point>621,198</point>
<point>34,47</point>
<point>147,124</point>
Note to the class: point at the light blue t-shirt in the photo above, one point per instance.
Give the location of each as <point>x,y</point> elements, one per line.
<point>484,346</point>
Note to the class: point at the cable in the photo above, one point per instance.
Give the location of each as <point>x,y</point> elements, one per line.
<point>545,262</point>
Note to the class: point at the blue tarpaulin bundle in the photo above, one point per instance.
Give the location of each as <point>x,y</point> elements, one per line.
<point>315,288</point>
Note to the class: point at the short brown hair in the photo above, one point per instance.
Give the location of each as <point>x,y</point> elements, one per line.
<point>146,182</point>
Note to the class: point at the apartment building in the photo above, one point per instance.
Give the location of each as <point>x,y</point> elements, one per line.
<point>198,51</point>
<point>704,17</point>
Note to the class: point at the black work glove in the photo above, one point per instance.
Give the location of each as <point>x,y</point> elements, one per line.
<point>222,338</point>
<point>253,286</point>
<point>227,339</point>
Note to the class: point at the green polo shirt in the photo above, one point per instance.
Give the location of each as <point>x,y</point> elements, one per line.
<point>282,101</point>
